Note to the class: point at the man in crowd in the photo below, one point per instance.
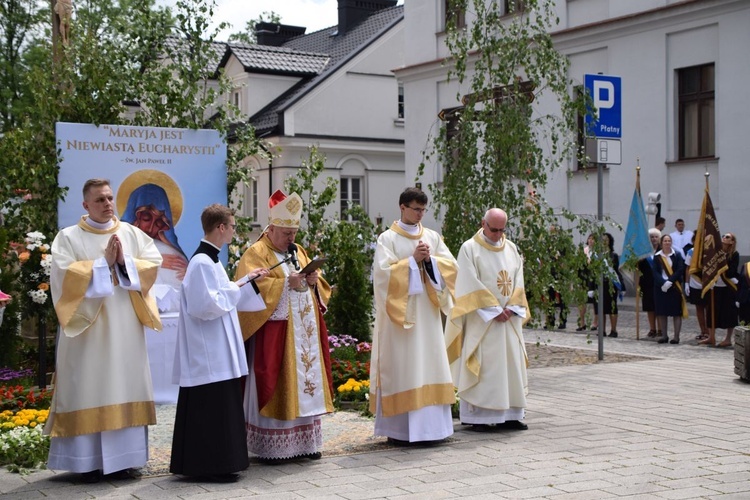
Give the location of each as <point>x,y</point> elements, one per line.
<point>681,237</point>
<point>210,361</point>
<point>484,336</point>
<point>102,271</point>
<point>661,223</point>
<point>289,385</point>
<point>411,392</point>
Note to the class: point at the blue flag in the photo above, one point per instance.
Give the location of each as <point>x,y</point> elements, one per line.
<point>637,243</point>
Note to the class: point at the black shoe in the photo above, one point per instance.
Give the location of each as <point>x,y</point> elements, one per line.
<point>124,474</point>
<point>480,427</point>
<point>515,425</point>
<point>594,328</point>
<point>273,461</point>
<point>613,334</point>
<point>398,442</point>
<point>674,341</point>
<point>314,456</point>
<point>581,328</point>
<point>651,333</point>
<point>91,477</point>
<point>663,340</point>
<point>220,478</point>
<point>562,326</point>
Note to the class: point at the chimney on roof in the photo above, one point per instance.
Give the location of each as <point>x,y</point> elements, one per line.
<point>276,34</point>
<point>353,12</point>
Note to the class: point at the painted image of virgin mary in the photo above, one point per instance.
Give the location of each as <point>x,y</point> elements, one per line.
<point>148,209</point>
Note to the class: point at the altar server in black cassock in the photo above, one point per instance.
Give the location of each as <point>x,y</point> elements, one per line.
<point>209,431</point>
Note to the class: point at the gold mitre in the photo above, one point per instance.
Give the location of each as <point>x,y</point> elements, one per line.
<point>283,210</point>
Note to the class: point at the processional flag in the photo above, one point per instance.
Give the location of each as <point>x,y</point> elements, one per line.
<point>709,260</point>
<point>637,244</point>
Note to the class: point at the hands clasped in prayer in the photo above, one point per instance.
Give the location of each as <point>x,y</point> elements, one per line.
<point>113,252</point>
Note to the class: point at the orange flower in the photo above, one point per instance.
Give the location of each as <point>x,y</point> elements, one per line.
<point>24,256</point>
<point>43,286</point>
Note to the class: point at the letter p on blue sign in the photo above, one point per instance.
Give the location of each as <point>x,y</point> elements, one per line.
<point>606,96</point>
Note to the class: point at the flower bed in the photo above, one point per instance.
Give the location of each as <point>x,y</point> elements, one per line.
<point>22,445</point>
<point>18,397</point>
<point>23,412</point>
<point>350,367</point>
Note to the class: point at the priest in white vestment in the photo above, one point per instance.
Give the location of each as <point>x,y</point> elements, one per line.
<point>484,336</point>
<point>102,271</point>
<point>411,391</point>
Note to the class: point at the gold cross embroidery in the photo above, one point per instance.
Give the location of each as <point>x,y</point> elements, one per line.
<point>504,283</point>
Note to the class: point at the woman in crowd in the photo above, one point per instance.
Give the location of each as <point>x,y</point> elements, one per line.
<point>743,294</point>
<point>613,285</point>
<point>693,290</point>
<point>721,310</point>
<point>646,283</point>
<point>588,250</point>
<point>669,271</point>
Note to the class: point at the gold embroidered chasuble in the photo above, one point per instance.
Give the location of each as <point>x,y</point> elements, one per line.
<point>488,359</point>
<point>408,363</point>
<point>102,379</point>
<point>303,384</point>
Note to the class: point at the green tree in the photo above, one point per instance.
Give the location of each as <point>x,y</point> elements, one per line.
<point>118,52</point>
<point>305,183</point>
<point>348,246</point>
<point>20,24</point>
<point>497,150</point>
<point>248,35</point>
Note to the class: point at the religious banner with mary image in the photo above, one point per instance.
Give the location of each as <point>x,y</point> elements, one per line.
<point>152,201</point>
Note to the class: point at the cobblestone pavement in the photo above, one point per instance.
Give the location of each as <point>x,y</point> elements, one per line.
<point>673,425</point>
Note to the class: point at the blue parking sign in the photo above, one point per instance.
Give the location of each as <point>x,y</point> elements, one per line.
<point>606,94</point>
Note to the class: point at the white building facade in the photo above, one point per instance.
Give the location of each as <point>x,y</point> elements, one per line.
<point>683,65</point>
<point>333,89</point>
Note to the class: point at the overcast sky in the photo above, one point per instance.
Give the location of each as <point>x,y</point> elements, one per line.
<point>312,14</point>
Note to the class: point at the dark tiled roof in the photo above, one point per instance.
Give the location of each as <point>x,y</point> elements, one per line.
<point>339,48</point>
<point>217,49</point>
<point>262,58</point>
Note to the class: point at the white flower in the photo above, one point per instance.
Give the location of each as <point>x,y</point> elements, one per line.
<point>38,296</point>
<point>46,264</point>
<point>35,237</point>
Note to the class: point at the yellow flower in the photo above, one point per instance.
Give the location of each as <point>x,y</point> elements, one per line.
<point>43,286</point>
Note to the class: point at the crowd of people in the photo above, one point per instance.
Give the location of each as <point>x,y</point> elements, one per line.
<point>256,346</point>
<point>666,287</point>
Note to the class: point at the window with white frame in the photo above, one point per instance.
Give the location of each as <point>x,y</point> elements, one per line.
<point>250,207</point>
<point>350,192</point>
<point>400,100</point>
<point>696,112</point>
<point>511,7</point>
<point>454,13</point>
<point>582,133</point>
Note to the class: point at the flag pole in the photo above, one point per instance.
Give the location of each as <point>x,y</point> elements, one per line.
<point>712,330</point>
<point>637,272</point>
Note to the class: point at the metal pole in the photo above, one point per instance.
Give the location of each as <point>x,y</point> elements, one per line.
<point>600,218</point>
